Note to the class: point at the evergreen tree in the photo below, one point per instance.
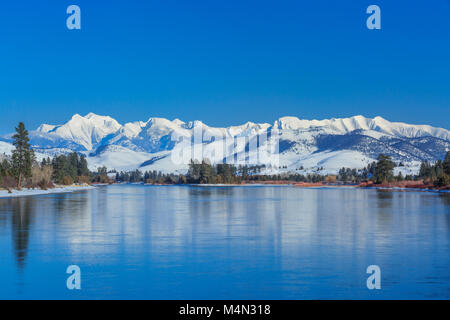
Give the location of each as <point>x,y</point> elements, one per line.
<point>59,165</point>
<point>5,169</point>
<point>194,171</point>
<point>206,172</point>
<point>22,155</point>
<point>82,167</point>
<point>384,169</point>
<point>425,170</point>
<point>72,166</point>
<point>446,163</point>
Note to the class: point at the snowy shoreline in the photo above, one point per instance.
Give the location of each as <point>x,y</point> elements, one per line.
<point>38,192</point>
<point>408,189</point>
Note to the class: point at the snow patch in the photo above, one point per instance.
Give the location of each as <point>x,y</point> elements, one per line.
<point>36,192</point>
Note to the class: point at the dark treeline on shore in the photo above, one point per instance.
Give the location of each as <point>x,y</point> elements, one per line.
<point>379,172</point>
<point>198,173</point>
<point>205,173</point>
<point>150,177</point>
<point>23,170</point>
<point>437,173</point>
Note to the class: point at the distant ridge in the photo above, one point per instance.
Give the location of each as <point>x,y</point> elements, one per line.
<point>305,145</point>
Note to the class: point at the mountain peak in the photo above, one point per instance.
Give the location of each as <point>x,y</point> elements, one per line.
<point>77,116</point>
<point>91,115</point>
<point>45,128</point>
<point>178,122</point>
<point>378,118</point>
<point>306,140</point>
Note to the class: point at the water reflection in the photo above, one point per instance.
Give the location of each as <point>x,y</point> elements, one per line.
<point>213,242</point>
<point>384,207</point>
<point>445,199</point>
<point>21,222</point>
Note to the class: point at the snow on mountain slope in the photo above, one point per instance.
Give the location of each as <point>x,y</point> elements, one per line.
<point>85,131</point>
<point>5,148</point>
<point>332,161</point>
<point>312,144</point>
<point>117,157</point>
<point>162,161</point>
<point>408,130</point>
<point>378,124</point>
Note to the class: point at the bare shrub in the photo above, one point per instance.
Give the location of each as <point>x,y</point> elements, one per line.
<point>8,183</point>
<point>41,176</point>
<point>84,179</point>
<point>67,181</point>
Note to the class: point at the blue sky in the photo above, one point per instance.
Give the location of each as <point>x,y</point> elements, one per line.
<point>224,62</point>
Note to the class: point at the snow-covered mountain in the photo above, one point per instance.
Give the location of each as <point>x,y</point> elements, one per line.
<point>304,145</point>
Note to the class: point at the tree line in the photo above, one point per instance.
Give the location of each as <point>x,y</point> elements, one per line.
<point>23,170</point>
<point>382,171</point>
<point>437,173</point>
<point>150,177</point>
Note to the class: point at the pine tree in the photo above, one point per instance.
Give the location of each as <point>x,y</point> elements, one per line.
<point>206,172</point>
<point>425,169</point>
<point>446,163</point>
<point>384,169</point>
<point>4,169</point>
<point>83,167</point>
<point>23,155</point>
<point>72,165</point>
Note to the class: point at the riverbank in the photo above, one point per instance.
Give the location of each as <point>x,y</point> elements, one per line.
<point>406,186</point>
<point>35,192</point>
<point>394,186</point>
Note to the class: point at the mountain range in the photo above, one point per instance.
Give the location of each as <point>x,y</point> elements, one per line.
<point>304,145</point>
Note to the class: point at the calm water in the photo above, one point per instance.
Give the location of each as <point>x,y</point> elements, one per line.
<point>151,242</point>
